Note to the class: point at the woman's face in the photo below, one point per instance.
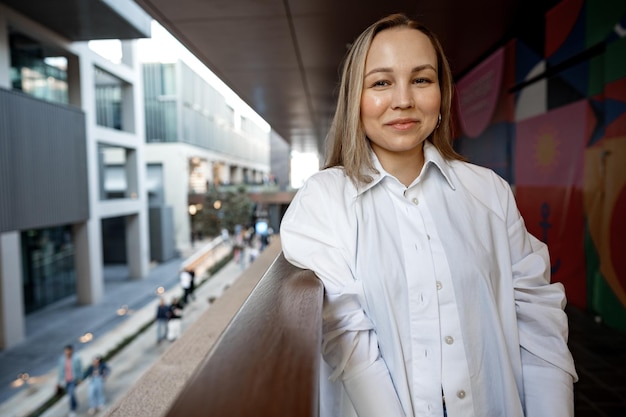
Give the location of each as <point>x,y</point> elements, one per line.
<point>401,98</point>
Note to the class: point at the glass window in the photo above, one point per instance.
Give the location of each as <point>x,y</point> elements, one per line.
<point>154,185</point>
<point>160,103</point>
<point>198,181</point>
<point>109,90</point>
<point>37,69</point>
<point>112,172</point>
<point>48,265</point>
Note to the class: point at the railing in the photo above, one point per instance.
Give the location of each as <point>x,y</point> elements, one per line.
<point>254,352</point>
<point>266,363</point>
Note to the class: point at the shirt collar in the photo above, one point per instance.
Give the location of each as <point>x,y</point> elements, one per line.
<point>432,157</point>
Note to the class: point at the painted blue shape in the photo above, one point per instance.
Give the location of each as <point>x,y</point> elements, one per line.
<point>492,149</point>
<point>598,108</point>
<point>613,109</point>
<point>525,60</point>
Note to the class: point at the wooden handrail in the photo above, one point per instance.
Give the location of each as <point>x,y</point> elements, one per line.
<point>266,363</point>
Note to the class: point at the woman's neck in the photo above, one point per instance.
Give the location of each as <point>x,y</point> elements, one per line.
<point>405,166</point>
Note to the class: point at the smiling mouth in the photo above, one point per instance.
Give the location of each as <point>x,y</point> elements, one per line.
<point>403,125</point>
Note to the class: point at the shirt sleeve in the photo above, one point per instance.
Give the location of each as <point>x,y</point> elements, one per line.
<point>547,364</point>
<point>317,233</point>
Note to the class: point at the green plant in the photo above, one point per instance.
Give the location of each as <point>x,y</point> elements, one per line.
<point>224,209</point>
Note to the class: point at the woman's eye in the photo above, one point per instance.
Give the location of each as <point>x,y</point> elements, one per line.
<point>380,83</point>
<point>421,81</point>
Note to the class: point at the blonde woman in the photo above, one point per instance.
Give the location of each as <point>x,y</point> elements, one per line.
<point>437,299</point>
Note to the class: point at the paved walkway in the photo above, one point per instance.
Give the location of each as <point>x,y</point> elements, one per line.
<point>127,306</point>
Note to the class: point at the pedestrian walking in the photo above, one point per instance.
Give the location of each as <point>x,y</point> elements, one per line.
<point>185,283</point>
<point>192,283</point>
<point>175,317</point>
<point>69,375</point>
<point>97,372</point>
<point>162,316</point>
<point>239,246</point>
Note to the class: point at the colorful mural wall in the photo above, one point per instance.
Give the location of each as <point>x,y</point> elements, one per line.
<point>553,123</point>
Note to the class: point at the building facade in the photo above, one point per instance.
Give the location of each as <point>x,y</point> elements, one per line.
<point>71,154</point>
<point>196,140</point>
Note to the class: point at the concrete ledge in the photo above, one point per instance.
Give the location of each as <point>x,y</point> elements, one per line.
<point>154,393</point>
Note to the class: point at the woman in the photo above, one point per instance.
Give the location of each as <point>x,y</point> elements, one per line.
<point>437,299</point>
<point>175,315</point>
<point>98,371</point>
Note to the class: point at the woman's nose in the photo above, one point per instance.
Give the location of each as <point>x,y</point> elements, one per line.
<point>402,97</point>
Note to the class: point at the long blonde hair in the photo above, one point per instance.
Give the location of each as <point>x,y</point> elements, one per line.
<point>347,144</point>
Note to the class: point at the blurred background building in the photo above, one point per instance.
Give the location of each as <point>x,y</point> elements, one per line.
<point>106,153</point>
<point>71,154</point>
<point>196,141</point>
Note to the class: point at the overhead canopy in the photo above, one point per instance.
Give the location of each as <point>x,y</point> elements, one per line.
<point>82,20</point>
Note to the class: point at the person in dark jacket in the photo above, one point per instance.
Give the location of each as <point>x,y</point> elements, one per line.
<point>162,316</point>
<point>192,283</point>
<point>97,373</point>
<point>176,314</point>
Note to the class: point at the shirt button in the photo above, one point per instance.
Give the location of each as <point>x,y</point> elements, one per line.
<point>449,340</point>
<point>415,201</point>
<point>461,394</point>
<point>439,285</point>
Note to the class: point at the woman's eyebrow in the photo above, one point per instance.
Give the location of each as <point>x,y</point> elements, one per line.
<point>376,70</point>
<point>415,69</point>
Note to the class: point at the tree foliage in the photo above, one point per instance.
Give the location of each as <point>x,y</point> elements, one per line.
<point>223,209</point>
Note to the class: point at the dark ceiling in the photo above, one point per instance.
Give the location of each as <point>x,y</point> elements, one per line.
<point>283,56</point>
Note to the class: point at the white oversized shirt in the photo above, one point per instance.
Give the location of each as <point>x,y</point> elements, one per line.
<point>185,279</point>
<point>432,289</point>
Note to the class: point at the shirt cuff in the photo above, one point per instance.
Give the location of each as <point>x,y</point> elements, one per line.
<point>372,392</point>
<point>548,390</point>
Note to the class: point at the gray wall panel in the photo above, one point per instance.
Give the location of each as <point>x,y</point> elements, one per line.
<point>6,190</point>
<point>43,163</point>
<point>280,156</point>
<point>162,242</point>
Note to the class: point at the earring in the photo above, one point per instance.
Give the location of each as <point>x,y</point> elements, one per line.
<point>438,121</point>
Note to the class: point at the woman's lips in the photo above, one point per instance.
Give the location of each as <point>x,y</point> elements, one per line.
<point>402,124</point>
